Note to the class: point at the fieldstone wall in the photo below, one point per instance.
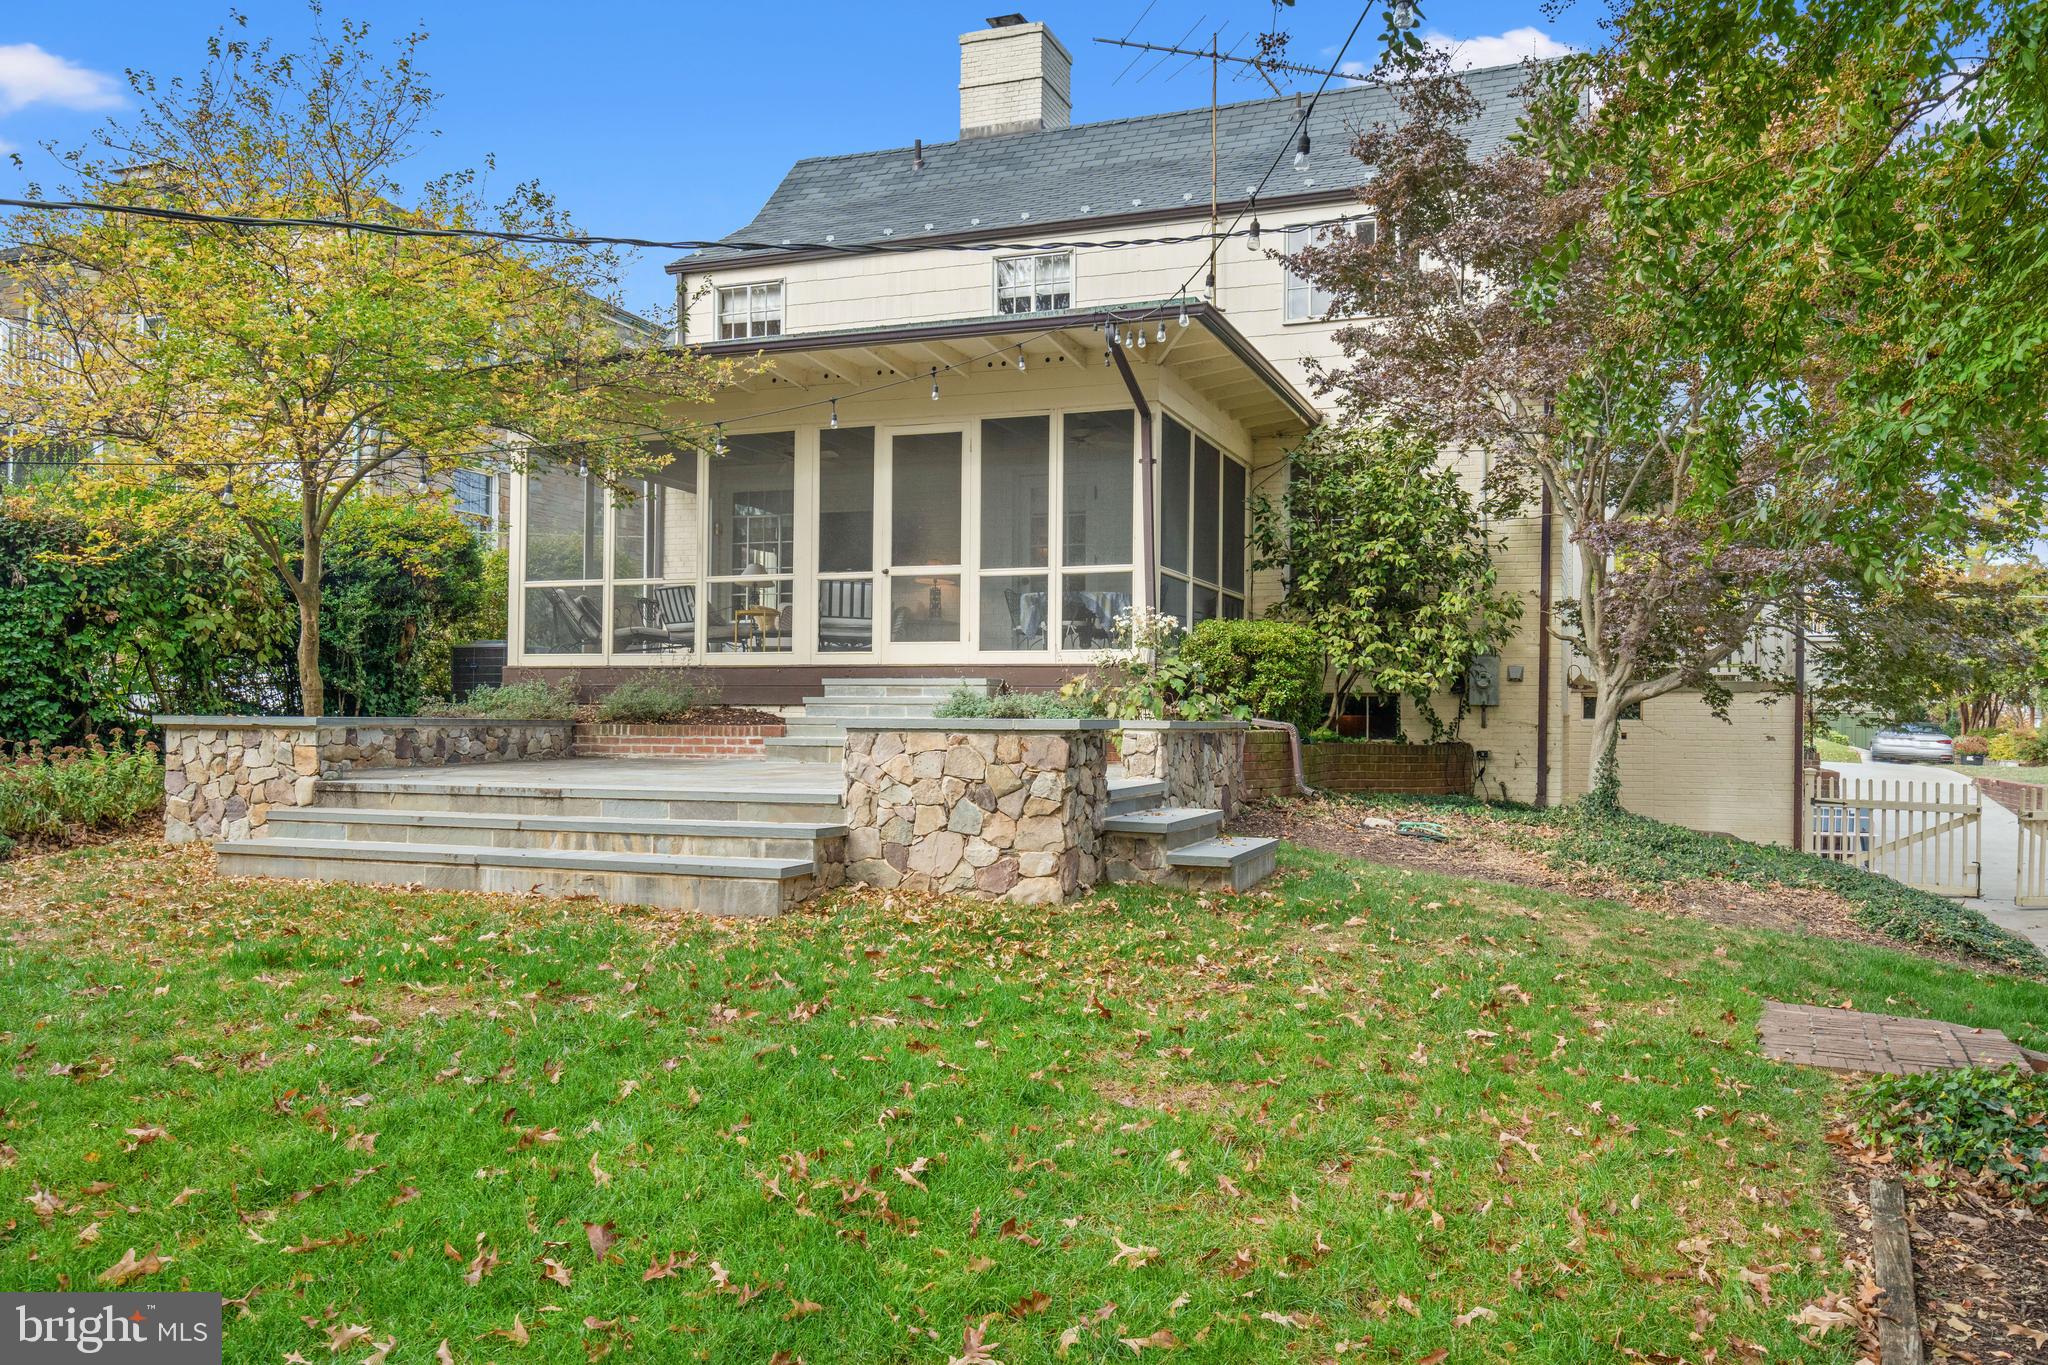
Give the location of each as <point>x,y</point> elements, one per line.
<point>224,774</point>
<point>1201,762</point>
<point>1008,809</point>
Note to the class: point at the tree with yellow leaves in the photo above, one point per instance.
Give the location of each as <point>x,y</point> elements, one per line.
<point>262,369</point>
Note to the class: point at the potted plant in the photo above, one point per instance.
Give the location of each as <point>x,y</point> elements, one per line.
<point>1970,750</point>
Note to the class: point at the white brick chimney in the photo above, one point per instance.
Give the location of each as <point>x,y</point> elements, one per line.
<point>1014,78</point>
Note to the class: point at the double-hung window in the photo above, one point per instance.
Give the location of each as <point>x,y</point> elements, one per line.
<point>1308,302</point>
<point>750,310</point>
<point>1035,284</point>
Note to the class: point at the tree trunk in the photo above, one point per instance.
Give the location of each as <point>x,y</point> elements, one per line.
<point>1603,796</point>
<point>312,688</point>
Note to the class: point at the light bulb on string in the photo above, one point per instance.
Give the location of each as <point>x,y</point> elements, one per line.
<point>1183,315</point>
<point>834,422</point>
<point>1404,16</point>
<point>1161,338</point>
<point>935,383</point>
<point>1141,338</point>
<point>1251,238</point>
<point>1020,360</point>
<point>1301,151</point>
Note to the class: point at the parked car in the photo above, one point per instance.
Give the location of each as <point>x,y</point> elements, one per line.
<point>1913,742</point>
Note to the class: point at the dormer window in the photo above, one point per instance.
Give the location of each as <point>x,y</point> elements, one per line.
<point>1035,284</point>
<point>750,310</point>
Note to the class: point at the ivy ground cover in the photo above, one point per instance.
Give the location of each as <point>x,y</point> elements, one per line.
<point>1365,1114</point>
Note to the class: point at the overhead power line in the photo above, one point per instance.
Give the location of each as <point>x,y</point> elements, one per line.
<point>369,227</point>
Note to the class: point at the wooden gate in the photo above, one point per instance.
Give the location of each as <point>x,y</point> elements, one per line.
<point>1928,835</point>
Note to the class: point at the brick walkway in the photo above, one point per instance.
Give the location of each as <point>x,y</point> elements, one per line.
<point>1846,1040</point>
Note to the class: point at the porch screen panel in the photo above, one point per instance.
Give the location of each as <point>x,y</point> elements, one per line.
<point>1097,478</point>
<point>1173,499</point>
<point>925,533</point>
<point>1234,491</point>
<point>564,563</point>
<point>1207,498</point>
<point>846,539</point>
<point>1016,462</point>
<point>753,544</point>
<point>656,558</point>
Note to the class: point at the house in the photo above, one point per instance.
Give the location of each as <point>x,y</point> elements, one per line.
<point>1016,388</point>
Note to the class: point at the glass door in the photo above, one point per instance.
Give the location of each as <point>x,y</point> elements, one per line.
<point>926,554</point>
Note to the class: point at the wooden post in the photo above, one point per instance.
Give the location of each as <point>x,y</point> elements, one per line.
<point>1898,1326</point>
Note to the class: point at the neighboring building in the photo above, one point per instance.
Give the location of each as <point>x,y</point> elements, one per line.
<point>985,514</point>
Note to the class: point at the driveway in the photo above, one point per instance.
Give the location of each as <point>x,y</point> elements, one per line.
<point>2000,852</point>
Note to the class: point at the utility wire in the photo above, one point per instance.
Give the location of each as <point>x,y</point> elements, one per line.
<point>861,248</point>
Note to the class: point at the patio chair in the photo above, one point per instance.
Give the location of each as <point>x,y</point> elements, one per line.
<point>846,614</point>
<point>579,620</point>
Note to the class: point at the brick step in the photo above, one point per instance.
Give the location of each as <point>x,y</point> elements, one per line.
<point>720,886</point>
<point>1228,860</point>
<point>584,834</point>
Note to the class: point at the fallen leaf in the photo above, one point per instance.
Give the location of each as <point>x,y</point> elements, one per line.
<point>601,1237</point>
<point>129,1268</point>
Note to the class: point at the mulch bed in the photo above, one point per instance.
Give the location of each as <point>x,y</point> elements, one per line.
<point>1483,853</point>
<point>1980,1265</point>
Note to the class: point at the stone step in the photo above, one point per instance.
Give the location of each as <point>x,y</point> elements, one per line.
<point>803,727</point>
<point>1129,794</point>
<point>869,708</point>
<point>1178,826</point>
<point>720,886</point>
<point>812,804</point>
<point>1235,861</point>
<point>807,748</point>
<point>937,689</point>
<point>584,834</point>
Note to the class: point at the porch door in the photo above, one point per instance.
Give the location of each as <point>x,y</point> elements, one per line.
<point>924,567</point>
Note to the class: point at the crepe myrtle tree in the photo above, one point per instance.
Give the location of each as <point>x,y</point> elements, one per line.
<point>1385,555</point>
<point>264,369</point>
<point>1486,293</point>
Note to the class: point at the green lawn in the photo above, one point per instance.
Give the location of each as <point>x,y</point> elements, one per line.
<point>1833,751</point>
<point>1369,1113</point>
<point>2015,774</point>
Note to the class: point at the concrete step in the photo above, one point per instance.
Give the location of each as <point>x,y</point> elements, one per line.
<point>1234,860</point>
<point>1177,826</point>
<point>720,886</point>
<point>583,834</point>
<point>1129,794</point>
<point>813,804</point>
<point>804,727</point>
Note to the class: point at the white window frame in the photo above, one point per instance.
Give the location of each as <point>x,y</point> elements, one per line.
<point>1301,301</point>
<point>757,318</point>
<point>488,524</point>
<point>1040,299</point>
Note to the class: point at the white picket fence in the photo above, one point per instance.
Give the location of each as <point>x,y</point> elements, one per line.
<point>2031,893</point>
<point>1928,835</point>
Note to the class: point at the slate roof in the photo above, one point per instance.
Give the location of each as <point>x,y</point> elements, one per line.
<point>1009,186</point>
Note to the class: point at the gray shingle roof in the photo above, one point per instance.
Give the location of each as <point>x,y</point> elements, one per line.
<point>1008,185</point>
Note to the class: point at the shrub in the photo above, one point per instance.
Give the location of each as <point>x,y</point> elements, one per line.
<point>1973,744</point>
<point>56,793</point>
<point>535,699</point>
<point>1980,1120</point>
<point>2006,745</point>
<point>1271,669</point>
<point>657,699</point>
<point>972,704</point>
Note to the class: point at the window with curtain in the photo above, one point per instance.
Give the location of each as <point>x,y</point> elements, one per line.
<point>1035,284</point>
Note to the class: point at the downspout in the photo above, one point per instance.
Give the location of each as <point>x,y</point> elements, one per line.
<point>1151,564</point>
<point>1799,725</point>
<point>1301,786</point>
<point>1543,663</point>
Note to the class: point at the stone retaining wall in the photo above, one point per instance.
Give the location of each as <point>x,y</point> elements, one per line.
<point>1008,809</point>
<point>622,740</point>
<point>223,774</point>
<point>1201,762</point>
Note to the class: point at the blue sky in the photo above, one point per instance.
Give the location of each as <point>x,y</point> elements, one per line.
<point>676,119</point>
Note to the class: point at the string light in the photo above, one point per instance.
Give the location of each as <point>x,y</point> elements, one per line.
<point>227,493</point>
<point>1404,17</point>
<point>1183,315</point>
<point>717,440</point>
<point>835,413</point>
<point>935,383</point>
<point>1020,359</point>
<point>1251,238</point>
<point>1141,338</point>
<point>1161,338</point>
<point>1301,149</point>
